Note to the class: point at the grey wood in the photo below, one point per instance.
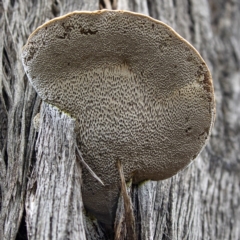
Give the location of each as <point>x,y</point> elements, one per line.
<point>201,202</point>
<point>54,201</point>
<point>19,103</point>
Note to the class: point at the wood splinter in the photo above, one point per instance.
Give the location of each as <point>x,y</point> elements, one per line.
<point>125,221</point>
<point>87,166</point>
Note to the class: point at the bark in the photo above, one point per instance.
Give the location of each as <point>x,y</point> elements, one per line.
<point>19,104</point>
<point>54,201</point>
<point>39,171</point>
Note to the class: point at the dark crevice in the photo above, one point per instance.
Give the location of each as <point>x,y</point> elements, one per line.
<point>6,56</point>
<point>192,22</point>
<point>6,63</point>
<point>19,126</point>
<point>137,215</point>
<point>3,124</point>
<point>5,158</point>
<point>55,8</point>
<point>5,98</point>
<point>12,3</point>
<point>103,5</point>
<point>22,231</point>
<point>174,3</point>
<point>107,231</point>
<point>25,82</point>
<point>149,5</point>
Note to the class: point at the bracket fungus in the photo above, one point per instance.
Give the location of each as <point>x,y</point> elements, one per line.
<point>141,94</point>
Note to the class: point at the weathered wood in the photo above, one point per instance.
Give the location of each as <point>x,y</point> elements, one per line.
<point>54,201</point>
<point>201,202</point>
<point>124,226</point>
<point>19,103</point>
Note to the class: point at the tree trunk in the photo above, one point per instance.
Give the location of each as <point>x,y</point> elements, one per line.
<point>40,178</point>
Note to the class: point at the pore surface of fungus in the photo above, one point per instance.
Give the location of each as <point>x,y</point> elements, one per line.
<point>141,95</point>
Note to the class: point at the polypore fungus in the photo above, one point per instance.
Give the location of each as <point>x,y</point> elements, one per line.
<point>141,95</point>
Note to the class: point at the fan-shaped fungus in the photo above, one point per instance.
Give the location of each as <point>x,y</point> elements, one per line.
<point>140,93</point>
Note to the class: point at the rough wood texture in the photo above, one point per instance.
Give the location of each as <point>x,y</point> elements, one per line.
<point>19,104</point>
<point>201,202</point>
<point>54,201</point>
<point>124,226</point>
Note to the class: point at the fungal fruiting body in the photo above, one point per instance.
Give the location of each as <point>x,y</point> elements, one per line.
<point>141,95</point>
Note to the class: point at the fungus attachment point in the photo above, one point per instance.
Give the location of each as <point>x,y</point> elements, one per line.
<point>141,94</point>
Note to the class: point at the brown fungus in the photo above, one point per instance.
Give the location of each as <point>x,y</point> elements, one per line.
<point>141,95</point>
